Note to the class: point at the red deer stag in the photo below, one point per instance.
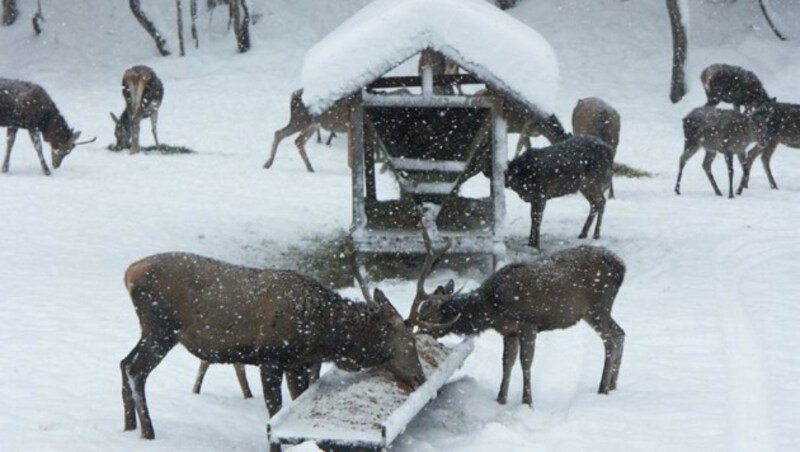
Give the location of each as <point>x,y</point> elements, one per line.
<point>279,320</point>
<point>25,105</point>
<point>725,131</point>
<point>521,300</point>
<point>776,123</point>
<point>143,93</point>
<point>578,164</point>
<point>336,119</point>
<point>593,116</point>
<point>732,84</point>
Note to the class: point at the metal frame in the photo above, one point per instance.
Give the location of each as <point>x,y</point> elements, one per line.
<point>363,182</point>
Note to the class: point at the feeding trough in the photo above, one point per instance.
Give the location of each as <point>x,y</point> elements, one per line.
<point>433,133</point>
<point>364,409</point>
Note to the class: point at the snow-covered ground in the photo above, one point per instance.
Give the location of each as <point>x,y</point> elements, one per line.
<point>709,303</point>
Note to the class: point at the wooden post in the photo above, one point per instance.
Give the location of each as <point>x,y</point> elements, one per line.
<point>357,136</point>
<point>499,159</point>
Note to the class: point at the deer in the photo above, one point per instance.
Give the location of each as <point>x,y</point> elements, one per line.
<point>143,92</point>
<point>279,320</point>
<point>718,131</point>
<point>777,123</point>
<point>593,116</point>
<point>241,376</point>
<point>521,300</point>
<point>578,164</point>
<point>734,85</point>
<point>336,119</point>
<point>26,105</point>
<point>440,65</point>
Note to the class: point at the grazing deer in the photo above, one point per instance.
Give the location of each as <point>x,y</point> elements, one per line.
<point>732,84</point>
<point>279,320</point>
<point>336,119</point>
<point>580,163</point>
<point>25,105</point>
<point>777,123</point>
<point>593,116</point>
<point>143,93</point>
<point>521,300</point>
<point>725,131</point>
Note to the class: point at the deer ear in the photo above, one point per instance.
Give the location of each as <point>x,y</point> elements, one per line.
<point>114,117</point>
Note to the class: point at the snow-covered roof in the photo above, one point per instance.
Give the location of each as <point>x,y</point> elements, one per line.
<point>482,39</point>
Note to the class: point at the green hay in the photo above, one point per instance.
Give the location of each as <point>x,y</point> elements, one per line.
<point>164,149</point>
<point>623,170</point>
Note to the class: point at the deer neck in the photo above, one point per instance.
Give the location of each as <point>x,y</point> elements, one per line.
<point>355,335</point>
<point>55,130</point>
<point>475,316</point>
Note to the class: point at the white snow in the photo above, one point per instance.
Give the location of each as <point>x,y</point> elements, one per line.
<point>478,36</point>
<point>709,303</point>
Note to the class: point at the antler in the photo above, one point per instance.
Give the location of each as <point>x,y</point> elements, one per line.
<point>86,142</point>
<point>431,256</point>
<point>362,283</point>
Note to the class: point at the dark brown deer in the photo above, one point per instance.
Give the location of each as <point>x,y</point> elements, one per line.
<point>335,119</point>
<point>279,320</point>
<point>143,93</point>
<point>725,131</point>
<point>579,164</point>
<point>732,84</point>
<point>25,105</point>
<point>593,116</point>
<point>521,300</point>
<point>777,123</point>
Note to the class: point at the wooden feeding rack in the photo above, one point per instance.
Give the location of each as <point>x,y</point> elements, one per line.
<point>431,143</point>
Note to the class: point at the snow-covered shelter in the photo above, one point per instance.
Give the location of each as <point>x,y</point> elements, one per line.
<point>432,139</point>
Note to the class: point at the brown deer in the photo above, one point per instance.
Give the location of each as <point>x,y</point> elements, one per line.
<point>593,116</point>
<point>521,300</point>
<point>777,123</point>
<point>279,320</point>
<point>143,93</point>
<point>725,131</point>
<point>25,105</point>
<point>732,84</point>
<point>335,119</point>
<point>578,164</point>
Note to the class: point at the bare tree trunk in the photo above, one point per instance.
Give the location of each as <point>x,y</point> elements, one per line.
<point>10,12</point>
<point>679,49</point>
<point>241,24</point>
<point>193,13</point>
<point>161,44</point>
<point>180,27</point>
<point>765,11</point>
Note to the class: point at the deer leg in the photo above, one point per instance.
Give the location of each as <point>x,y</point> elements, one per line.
<point>330,138</point>
<point>527,342</point>
<point>241,375</point>
<point>37,144</point>
<point>280,134</point>
<point>765,158</point>
<point>613,338</point>
<point>537,212</point>
<point>752,154</point>
<point>301,141</point>
<point>319,136</point>
<point>144,357</point>
<point>729,164</point>
<point>11,135</point>
<point>201,374</point>
<point>271,378</point>
<point>134,135</point>
<point>154,126</point>
<point>707,168</point>
<point>597,203</point>
<point>689,149</point>
<point>300,378</point>
<point>510,350</point>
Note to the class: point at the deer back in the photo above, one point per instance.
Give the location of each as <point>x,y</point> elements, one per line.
<point>593,116</point>
<point>560,169</point>
<point>719,129</point>
<point>143,91</point>
<point>732,84</point>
